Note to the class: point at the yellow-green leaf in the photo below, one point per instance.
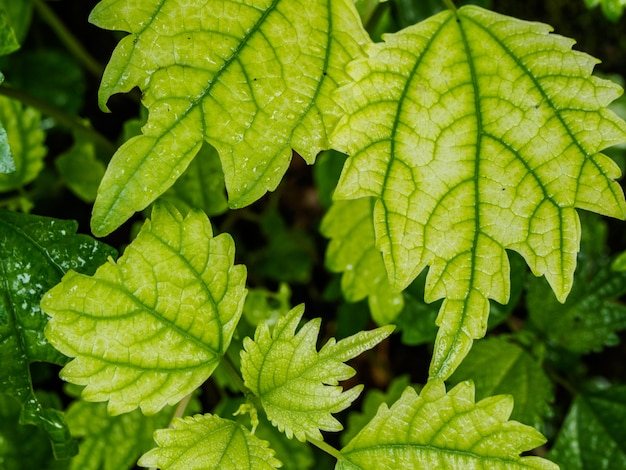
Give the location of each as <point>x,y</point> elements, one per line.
<point>477,133</point>
<point>253,78</point>
<point>151,328</point>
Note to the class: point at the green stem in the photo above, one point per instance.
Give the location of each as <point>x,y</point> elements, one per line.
<point>450,5</point>
<point>326,448</point>
<point>68,39</point>
<point>71,122</point>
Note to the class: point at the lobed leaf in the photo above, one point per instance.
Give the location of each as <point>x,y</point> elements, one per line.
<point>208,442</point>
<point>35,252</point>
<point>593,436</point>
<point>297,385</point>
<point>477,133</point>
<point>436,429</point>
<point>253,78</point>
<point>149,329</point>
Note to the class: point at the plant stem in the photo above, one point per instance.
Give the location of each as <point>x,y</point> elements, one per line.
<point>326,448</point>
<point>68,39</point>
<point>450,5</point>
<point>71,122</point>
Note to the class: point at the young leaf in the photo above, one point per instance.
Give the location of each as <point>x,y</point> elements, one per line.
<point>81,170</point>
<point>297,385</point>
<point>8,40</point>
<point>253,78</point>
<point>208,442</point>
<point>477,133</point>
<point>149,329</point>
<point>590,317</point>
<point>18,14</point>
<point>111,442</point>
<point>25,140</point>
<point>35,252</point>
<point>436,429</point>
<point>593,437</point>
<point>353,251</point>
<point>497,366</point>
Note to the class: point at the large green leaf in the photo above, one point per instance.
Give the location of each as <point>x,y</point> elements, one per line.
<point>497,366</point>
<point>209,442</point>
<point>253,78</point>
<point>593,436</point>
<point>149,329</point>
<point>436,429</point>
<point>477,133</point>
<point>25,140</point>
<point>297,385</point>
<point>35,252</point>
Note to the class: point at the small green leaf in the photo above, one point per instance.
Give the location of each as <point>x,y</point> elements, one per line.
<point>297,385</point>
<point>498,367</point>
<point>151,328</point>
<point>208,442</point>
<point>593,436</point>
<point>25,141</point>
<point>483,136</point>
<point>264,305</point>
<point>590,317</point>
<point>81,170</point>
<point>353,251</point>
<point>201,186</point>
<point>35,252</point>
<point>111,442</point>
<point>18,16</point>
<point>8,40</point>
<point>253,78</point>
<point>436,429</point>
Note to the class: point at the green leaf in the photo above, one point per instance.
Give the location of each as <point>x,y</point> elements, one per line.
<point>151,328</point>
<point>35,252</point>
<point>353,251</point>
<point>81,170</point>
<point>483,136</point>
<point>201,186</point>
<point>264,305</point>
<point>111,442</point>
<point>593,437</point>
<point>253,78</point>
<point>590,317</point>
<point>208,442</point>
<point>436,429</point>
<point>297,385</point>
<point>498,367</point>
<point>25,141</point>
<point>18,15</point>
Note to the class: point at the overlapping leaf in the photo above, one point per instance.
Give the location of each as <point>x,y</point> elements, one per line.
<point>593,437</point>
<point>297,385</point>
<point>353,251</point>
<point>436,429</point>
<point>477,133</point>
<point>81,170</point>
<point>149,329</point>
<point>253,78</point>
<point>209,442</point>
<point>35,252</point>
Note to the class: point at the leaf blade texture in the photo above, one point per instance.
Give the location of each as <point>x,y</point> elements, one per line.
<point>35,252</point>
<point>208,442</point>
<point>252,78</point>
<point>592,436</point>
<point>439,429</point>
<point>297,385</point>
<point>477,133</point>
<point>149,329</point>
